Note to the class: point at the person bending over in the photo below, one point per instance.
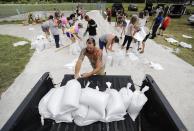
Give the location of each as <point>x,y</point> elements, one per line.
<point>94,55</point>
<point>107,41</point>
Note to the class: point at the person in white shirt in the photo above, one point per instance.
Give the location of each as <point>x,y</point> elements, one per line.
<point>131,30</point>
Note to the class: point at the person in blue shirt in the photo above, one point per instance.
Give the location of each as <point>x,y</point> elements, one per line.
<point>158,21</point>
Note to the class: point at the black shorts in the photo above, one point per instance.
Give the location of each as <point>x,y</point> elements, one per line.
<point>146,37</point>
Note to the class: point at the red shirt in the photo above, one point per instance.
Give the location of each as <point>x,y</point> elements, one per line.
<point>166,22</point>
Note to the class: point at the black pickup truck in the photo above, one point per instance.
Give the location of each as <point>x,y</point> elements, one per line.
<point>156,115</point>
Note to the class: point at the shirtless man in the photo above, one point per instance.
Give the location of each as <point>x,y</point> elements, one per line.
<point>107,41</point>
<point>95,57</point>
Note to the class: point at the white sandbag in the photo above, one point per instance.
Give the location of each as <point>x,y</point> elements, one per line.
<point>33,44</point>
<point>81,112</point>
<point>55,102</point>
<point>137,102</point>
<point>20,43</point>
<point>81,122</point>
<point>115,106</point>
<point>139,36</point>
<point>40,46</point>
<point>185,45</point>
<point>42,106</point>
<point>133,57</point>
<point>171,40</point>
<point>126,95</point>
<point>71,96</point>
<point>118,58</point>
<point>75,48</point>
<point>95,99</point>
<point>92,116</point>
<point>156,66</point>
<point>46,43</point>
<point>64,118</point>
<point>31,28</point>
<point>186,36</point>
<point>109,60</point>
<point>40,37</point>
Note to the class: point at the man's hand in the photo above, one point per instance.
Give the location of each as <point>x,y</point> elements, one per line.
<point>76,76</point>
<point>85,75</point>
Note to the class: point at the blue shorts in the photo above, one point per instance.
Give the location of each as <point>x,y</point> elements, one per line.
<point>101,44</point>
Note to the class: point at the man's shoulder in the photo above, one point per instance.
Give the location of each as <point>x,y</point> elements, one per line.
<point>83,50</point>
<point>98,52</point>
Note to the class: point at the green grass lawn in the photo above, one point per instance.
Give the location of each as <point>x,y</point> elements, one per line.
<point>177,28</point>
<point>11,9</point>
<point>12,59</point>
<point>11,22</point>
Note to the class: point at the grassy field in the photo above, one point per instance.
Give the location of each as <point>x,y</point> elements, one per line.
<point>13,59</point>
<point>177,28</point>
<point>11,22</point>
<point>12,9</point>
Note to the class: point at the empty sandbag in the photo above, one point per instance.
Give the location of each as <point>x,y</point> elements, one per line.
<point>55,102</point>
<point>95,99</point>
<point>126,95</point>
<point>71,96</point>
<point>115,106</point>
<point>137,102</point>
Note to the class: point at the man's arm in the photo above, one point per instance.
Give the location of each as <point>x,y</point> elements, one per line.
<point>109,45</point>
<point>97,69</point>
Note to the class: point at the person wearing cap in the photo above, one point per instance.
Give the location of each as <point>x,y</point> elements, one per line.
<point>107,41</point>
<point>73,31</point>
<point>94,55</point>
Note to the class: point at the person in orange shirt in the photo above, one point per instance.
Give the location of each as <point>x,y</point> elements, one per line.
<point>165,24</point>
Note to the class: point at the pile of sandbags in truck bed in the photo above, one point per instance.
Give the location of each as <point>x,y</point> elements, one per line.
<point>86,105</point>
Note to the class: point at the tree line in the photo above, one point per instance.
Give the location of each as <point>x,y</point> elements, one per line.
<point>88,1</point>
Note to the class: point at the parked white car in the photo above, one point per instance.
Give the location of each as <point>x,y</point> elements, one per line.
<point>191,19</point>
